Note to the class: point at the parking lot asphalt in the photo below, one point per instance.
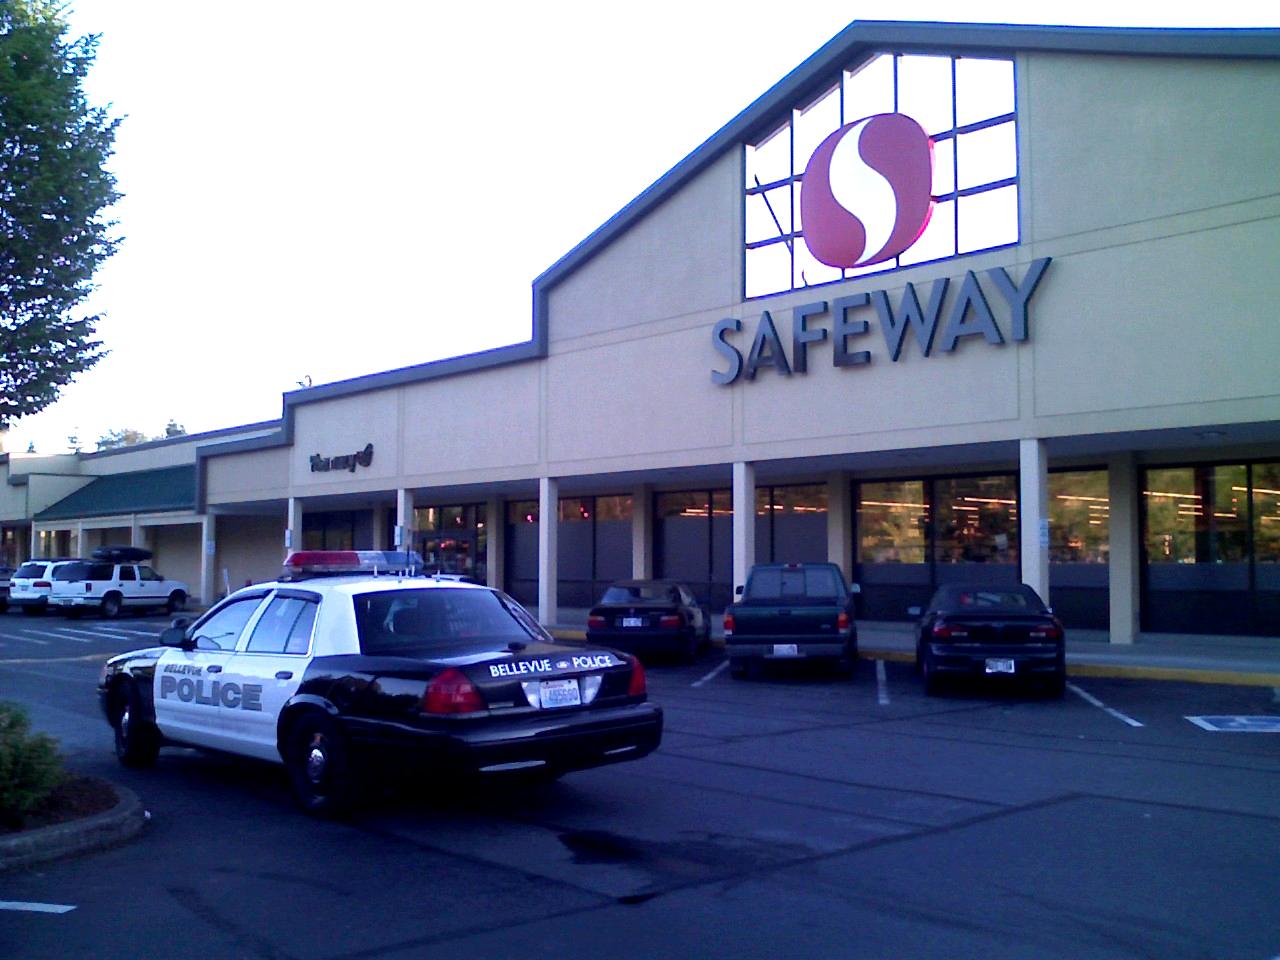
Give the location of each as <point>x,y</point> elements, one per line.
<point>793,816</point>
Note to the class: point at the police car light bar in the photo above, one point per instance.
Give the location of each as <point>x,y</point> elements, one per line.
<point>302,564</point>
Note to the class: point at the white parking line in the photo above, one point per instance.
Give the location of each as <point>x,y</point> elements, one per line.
<point>26,639</point>
<point>51,634</point>
<point>712,675</point>
<point>1090,698</point>
<point>36,907</point>
<point>882,684</point>
<point>68,631</point>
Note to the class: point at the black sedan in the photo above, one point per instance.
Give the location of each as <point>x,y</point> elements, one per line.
<point>985,631</point>
<point>650,616</point>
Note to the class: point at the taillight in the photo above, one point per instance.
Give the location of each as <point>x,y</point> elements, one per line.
<point>452,692</point>
<point>636,688</point>
<point>842,621</point>
<point>596,622</point>
<point>945,631</point>
<point>671,621</point>
<point>1050,632</point>
<point>43,583</point>
<point>728,624</point>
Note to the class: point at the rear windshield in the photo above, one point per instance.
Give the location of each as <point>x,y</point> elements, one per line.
<point>84,571</point>
<point>979,599</point>
<point>803,583</point>
<point>639,593</point>
<point>30,571</point>
<point>409,622</point>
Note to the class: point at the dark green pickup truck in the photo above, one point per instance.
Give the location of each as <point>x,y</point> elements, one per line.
<point>791,611</point>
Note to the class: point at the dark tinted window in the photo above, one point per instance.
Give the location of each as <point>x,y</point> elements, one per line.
<point>639,592</point>
<point>146,573</point>
<point>126,573</point>
<point>978,599</point>
<point>418,621</point>
<point>84,571</point>
<point>300,636</point>
<point>277,628</point>
<point>30,571</point>
<point>806,583</point>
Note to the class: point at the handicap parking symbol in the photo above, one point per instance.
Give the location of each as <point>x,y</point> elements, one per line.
<point>1238,724</point>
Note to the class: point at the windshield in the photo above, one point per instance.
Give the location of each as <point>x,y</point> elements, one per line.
<point>638,593</point>
<point>399,622</point>
<point>808,583</point>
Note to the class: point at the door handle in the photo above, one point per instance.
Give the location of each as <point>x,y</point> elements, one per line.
<point>284,674</point>
<point>214,668</point>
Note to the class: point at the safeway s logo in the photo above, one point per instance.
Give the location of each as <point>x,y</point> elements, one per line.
<point>866,195</point>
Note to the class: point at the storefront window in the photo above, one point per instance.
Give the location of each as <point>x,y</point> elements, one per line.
<point>1079,517</point>
<point>452,539</point>
<point>977,520</point>
<point>1266,518</point>
<point>893,522</point>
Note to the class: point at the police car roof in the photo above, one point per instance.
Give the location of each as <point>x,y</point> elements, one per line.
<point>355,583</point>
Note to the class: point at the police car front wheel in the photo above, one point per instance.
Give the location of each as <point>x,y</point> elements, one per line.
<point>319,766</point>
<point>137,740</point>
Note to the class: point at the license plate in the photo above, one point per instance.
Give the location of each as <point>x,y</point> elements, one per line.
<point>785,650</point>
<point>999,666</point>
<point>559,693</point>
<point>633,621</point>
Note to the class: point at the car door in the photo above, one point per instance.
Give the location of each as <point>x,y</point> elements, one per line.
<point>268,667</point>
<point>189,690</point>
<point>151,587</point>
<point>127,583</point>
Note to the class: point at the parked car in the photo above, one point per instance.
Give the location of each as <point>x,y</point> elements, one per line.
<point>109,586</point>
<point>648,616</point>
<point>337,674</point>
<point>790,611</point>
<point>32,582</point>
<point>971,630</point>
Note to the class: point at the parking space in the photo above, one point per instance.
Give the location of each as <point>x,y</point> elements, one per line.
<point>795,815</point>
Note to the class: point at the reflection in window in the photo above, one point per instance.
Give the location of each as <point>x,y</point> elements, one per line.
<point>967,106</point>
<point>893,520</point>
<point>1197,514</point>
<point>1079,517</point>
<point>977,520</point>
<point>1266,513</point>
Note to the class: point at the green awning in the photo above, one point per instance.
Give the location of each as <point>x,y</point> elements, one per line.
<point>144,491</point>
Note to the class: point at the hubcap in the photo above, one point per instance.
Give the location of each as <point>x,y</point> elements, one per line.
<point>124,724</point>
<point>316,761</point>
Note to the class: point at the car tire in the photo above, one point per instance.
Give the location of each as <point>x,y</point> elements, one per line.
<point>176,603</point>
<point>929,673</point>
<point>318,760</point>
<point>692,648</point>
<point>137,741</point>
<point>1056,687</point>
<point>111,606</point>
<point>33,611</point>
<point>739,669</point>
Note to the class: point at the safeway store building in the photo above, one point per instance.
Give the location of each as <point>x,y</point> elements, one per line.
<point>949,302</point>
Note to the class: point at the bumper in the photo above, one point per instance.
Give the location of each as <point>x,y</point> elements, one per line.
<point>972,659</point>
<point>34,603</point>
<point>778,648</point>
<point>560,743</point>
<point>85,601</point>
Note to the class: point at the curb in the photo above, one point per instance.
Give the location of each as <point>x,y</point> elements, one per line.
<point>60,840</point>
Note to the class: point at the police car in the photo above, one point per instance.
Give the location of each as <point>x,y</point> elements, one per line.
<point>333,673</point>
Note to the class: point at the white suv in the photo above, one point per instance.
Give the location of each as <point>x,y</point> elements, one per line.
<point>110,587</point>
<point>32,583</point>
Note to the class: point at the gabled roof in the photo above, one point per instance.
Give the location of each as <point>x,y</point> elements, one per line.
<point>143,491</point>
<point>863,38</point>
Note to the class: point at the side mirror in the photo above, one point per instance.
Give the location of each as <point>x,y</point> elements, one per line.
<point>1048,610</point>
<point>177,637</point>
<point>737,591</point>
<point>855,588</point>
<point>914,611</point>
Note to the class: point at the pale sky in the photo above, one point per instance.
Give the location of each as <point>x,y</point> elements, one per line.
<point>329,190</point>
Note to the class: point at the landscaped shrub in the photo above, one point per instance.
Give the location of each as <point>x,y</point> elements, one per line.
<point>29,765</point>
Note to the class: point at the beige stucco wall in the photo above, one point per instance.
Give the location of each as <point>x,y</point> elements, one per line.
<point>248,549</point>
<point>130,459</point>
<point>43,491</point>
<point>176,553</point>
<point>245,477</point>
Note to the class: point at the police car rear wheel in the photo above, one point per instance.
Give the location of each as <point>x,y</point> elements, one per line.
<point>137,740</point>
<point>319,767</point>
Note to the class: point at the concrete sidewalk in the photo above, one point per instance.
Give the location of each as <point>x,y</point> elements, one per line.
<point>1189,658</point>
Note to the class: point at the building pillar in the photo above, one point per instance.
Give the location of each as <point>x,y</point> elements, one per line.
<point>208,554</point>
<point>34,545</point>
<point>78,548</point>
<point>404,520</point>
<point>642,533</point>
<point>495,543</point>
<point>1124,557</point>
<point>1033,515</point>
<point>293,526</point>
<point>548,537</point>
<point>840,523</point>
<point>380,528</point>
<point>744,521</point>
